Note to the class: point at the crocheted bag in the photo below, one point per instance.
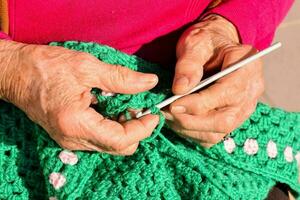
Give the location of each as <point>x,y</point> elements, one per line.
<point>246,165</point>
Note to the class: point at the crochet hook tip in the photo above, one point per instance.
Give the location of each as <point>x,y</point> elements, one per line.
<point>141,114</point>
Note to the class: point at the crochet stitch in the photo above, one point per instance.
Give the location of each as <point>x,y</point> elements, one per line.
<point>250,161</point>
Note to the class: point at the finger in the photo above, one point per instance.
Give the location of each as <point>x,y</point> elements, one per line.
<point>250,77</point>
<point>214,97</point>
<point>197,136</point>
<point>226,91</point>
<point>220,121</point>
<point>139,129</point>
<point>249,72</point>
<point>83,145</point>
<point>118,79</point>
<point>73,145</point>
<point>230,90</point>
<point>167,114</point>
<point>189,67</point>
<point>233,54</point>
<point>185,135</point>
<point>131,113</point>
<point>126,152</point>
<point>223,120</point>
<point>113,136</point>
<point>206,145</point>
<point>129,150</point>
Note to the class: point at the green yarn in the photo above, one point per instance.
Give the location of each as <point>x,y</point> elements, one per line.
<point>165,166</point>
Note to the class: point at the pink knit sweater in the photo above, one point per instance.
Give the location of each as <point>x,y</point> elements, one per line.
<point>149,28</point>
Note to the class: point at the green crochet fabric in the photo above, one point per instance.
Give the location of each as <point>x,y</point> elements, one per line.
<point>253,158</point>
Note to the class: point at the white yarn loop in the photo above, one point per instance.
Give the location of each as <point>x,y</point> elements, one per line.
<point>57,180</point>
<point>288,154</point>
<point>272,149</point>
<point>251,146</point>
<point>68,157</point>
<point>229,145</point>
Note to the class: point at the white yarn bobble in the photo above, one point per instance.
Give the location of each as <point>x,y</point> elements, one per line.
<point>57,180</point>
<point>272,149</point>
<point>68,157</point>
<point>229,145</point>
<point>288,154</point>
<point>251,146</point>
<point>107,94</point>
<point>52,198</point>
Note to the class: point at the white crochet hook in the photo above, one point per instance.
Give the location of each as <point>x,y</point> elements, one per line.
<point>215,77</point>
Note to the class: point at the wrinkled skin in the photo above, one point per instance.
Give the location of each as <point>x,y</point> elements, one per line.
<point>210,114</point>
<point>52,86</point>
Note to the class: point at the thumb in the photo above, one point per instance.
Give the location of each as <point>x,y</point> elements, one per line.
<point>189,70</point>
<point>119,79</point>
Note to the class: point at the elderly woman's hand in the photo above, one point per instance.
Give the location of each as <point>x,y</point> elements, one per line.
<point>52,85</point>
<point>209,115</point>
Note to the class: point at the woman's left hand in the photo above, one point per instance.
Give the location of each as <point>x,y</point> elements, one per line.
<point>209,115</point>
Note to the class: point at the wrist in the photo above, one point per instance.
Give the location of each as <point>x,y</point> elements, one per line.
<point>9,73</point>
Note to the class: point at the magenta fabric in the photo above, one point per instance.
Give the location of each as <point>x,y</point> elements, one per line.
<point>4,36</point>
<point>149,28</point>
<point>122,24</point>
<point>256,20</point>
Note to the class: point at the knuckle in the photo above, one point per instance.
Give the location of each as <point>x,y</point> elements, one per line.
<point>203,102</point>
<point>240,50</point>
<point>82,56</point>
<point>118,74</point>
<point>195,135</point>
<point>186,124</point>
<point>194,35</point>
<point>119,145</point>
<point>247,47</point>
<point>83,62</point>
<point>232,92</point>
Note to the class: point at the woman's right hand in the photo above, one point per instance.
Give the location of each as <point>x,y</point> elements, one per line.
<point>52,86</point>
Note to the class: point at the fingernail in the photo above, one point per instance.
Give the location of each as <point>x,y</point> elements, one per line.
<point>107,94</point>
<point>150,79</point>
<point>182,81</point>
<point>178,109</point>
<point>168,116</point>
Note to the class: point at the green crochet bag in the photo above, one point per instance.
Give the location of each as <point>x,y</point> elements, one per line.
<point>246,165</point>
